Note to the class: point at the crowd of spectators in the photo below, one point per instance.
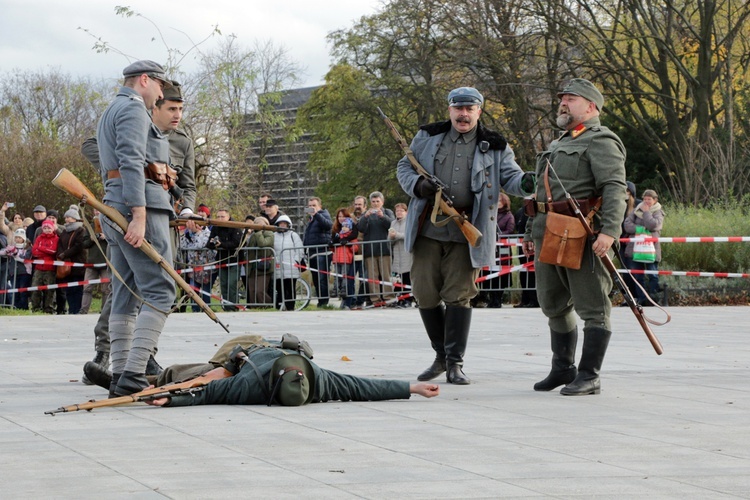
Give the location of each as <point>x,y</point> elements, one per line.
<point>357,255</point>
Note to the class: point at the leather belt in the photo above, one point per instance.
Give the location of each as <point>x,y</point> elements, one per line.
<point>113,174</point>
<point>562,207</point>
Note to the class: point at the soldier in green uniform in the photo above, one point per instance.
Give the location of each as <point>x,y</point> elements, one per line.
<point>589,160</point>
<point>167,115</point>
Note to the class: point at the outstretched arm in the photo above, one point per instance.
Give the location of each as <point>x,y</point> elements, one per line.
<point>424,389</point>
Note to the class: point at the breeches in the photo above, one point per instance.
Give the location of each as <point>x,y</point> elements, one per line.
<point>561,291</point>
<point>442,272</point>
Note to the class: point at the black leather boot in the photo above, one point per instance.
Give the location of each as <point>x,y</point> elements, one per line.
<point>130,383</point>
<point>152,367</point>
<point>457,323</point>
<point>563,361</point>
<point>595,342</point>
<point>434,324</point>
<point>97,374</point>
<point>113,384</point>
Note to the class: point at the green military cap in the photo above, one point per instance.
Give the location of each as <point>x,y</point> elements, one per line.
<point>293,380</point>
<point>145,67</point>
<point>585,89</point>
<point>173,93</point>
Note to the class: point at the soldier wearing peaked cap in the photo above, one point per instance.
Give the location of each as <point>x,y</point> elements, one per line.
<point>475,163</point>
<point>589,160</point>
<point>167,115</point>
<point>128,141</point>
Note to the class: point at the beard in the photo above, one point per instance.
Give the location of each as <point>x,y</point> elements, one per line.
<point>564,119</point>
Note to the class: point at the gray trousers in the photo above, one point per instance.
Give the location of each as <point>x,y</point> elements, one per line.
<point>135,328</point>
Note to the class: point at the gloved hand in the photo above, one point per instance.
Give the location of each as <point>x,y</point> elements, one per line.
<point>424,188</point>
<point>528,182</point>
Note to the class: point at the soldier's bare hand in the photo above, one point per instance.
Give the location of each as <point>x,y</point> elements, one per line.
<point>528,248</point>
<point>602,244</point>
<point>425,389</point>
<point>136,233</point>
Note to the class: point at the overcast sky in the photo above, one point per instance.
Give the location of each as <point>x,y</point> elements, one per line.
<point>42,34</point>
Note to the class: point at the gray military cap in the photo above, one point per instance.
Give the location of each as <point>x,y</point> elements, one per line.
<point>585,89</point>
<point>150,68</point>
<point>173,93</point>
<point>465,96</point>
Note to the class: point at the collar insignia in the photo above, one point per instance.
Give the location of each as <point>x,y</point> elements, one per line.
<point>577,131</point>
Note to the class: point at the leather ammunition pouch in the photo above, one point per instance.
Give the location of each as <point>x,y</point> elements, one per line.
<point>163,174</point>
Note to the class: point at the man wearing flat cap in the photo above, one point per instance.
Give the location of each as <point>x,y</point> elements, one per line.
<point>589,160</point>
<point>474,163</point>
<point>128,142</point>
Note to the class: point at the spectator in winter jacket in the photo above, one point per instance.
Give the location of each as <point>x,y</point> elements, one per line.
<point>226,241</point>
<point>45,248</point>
<point>317,240</point>
<point>374,225</point>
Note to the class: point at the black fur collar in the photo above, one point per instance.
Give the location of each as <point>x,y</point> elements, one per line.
<point>497,141</point>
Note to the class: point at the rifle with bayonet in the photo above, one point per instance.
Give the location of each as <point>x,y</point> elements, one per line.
<point>69,183</point>
<point>472,234</point>
<point>634,306</point>
<point>165,391</point>
<point>200,221</point>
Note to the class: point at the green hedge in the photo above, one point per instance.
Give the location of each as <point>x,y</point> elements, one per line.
<point>719,219</point>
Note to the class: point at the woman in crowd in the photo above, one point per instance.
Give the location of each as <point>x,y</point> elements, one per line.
<point>344,237</point>
<point>648,215</point>
<point>289,254</point>
<point>70,249</point>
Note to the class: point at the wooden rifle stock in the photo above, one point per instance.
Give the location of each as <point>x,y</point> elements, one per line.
<point>146,394</point>
<point>635,307</point>
<point>472,234</point>
<point>69,183</point>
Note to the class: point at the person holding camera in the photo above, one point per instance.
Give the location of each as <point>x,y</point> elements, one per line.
<point>317,240</point>
<point>374,225</point>
<point>226,241</point>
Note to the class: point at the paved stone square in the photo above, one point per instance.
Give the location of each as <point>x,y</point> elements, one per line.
<point>670,426</point>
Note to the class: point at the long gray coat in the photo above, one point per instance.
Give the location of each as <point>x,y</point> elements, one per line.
<point>495,169</point>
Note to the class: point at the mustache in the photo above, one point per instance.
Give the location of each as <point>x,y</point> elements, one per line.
<point>563,110</point>
<point>463,119</point>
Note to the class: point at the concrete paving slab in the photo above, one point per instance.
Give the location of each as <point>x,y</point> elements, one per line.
<point>671,426</point>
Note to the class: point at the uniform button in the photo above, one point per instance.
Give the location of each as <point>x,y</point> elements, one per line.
<point>492,218</point>
<point>489,197</point>
<point>459,155</point>
<point>455,182</point>
<point>489,184</point>
<point>456,169</point>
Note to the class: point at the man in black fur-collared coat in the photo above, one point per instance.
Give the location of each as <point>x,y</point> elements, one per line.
<point>474,163</point>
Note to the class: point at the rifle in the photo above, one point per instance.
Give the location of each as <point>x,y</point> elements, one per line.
<point>200,221</point>
<point>69,183</point>
<point>634,306</point>
<point>189,386</point>
<point>472,234</point>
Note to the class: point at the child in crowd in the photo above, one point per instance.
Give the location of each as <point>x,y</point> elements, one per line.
<point>45,247</point>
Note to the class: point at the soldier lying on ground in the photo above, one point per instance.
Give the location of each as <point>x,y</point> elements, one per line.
<point>274,374</point>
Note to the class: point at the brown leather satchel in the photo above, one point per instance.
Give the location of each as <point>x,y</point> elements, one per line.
<point>564,241</point>
<point>162,173</point>
<point>565,238</point>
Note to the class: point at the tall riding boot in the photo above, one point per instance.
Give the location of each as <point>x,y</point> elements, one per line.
<point>595,341</point>
<point>434,323</point>
<point>563,361</point>
<point>457,323</point>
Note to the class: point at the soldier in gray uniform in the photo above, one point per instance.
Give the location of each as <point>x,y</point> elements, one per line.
<point>474,162</point>
<point>590,162</point>
<point>129,141</point>
<point>167,115</point>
